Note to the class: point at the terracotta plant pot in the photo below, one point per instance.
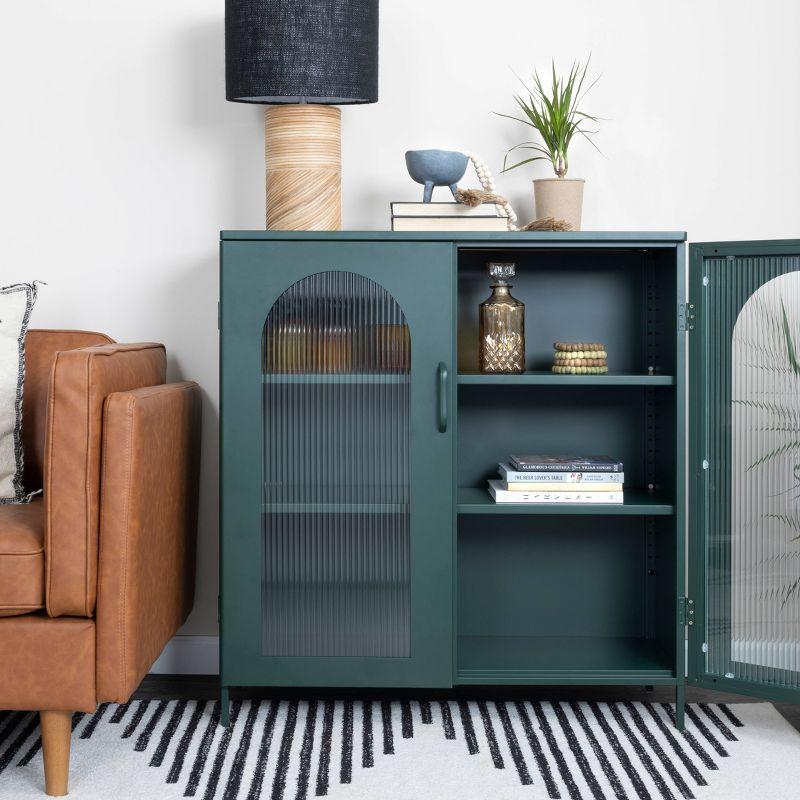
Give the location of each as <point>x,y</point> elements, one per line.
<point>561,198</point>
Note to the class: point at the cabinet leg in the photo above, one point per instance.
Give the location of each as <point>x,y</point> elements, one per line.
<point>680,702</point>
<point>224,707</point>
<point>56,729</point>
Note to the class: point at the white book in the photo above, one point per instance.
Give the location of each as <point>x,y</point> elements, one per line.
<point>510,475</point>
<point>545,486</point>
<point>502,495</point>
<point>446,210</point>
<point>449,224</point>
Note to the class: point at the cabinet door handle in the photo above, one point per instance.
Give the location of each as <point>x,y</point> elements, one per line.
<point>442,397</point>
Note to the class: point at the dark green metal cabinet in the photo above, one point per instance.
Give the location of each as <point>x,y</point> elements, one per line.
<point>743,319</point>
<point>411,576</point>
<point>395,533</point>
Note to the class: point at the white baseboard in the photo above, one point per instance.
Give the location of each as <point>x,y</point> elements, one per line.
<point>189,655</point>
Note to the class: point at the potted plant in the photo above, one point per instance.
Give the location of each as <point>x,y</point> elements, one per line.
<point>556,114</point>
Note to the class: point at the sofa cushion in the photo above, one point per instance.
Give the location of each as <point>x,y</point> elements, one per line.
<point>41,347</point>
<point>47,664</point>
<point>80,382</point>
<point>21,558</point>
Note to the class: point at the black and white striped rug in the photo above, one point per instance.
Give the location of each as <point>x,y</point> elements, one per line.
<point>386,750</point>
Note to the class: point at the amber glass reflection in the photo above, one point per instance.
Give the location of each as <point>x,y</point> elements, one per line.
<point>502,326</point>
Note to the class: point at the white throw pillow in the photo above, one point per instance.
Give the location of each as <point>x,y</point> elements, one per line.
<point>16,303</point>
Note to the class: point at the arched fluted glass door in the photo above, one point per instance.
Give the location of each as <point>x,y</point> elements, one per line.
<point>745,477</point>
<point>765,484</point>
<point>337,436</point>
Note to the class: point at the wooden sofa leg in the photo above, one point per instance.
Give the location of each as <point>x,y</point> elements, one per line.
<point>56,731</point>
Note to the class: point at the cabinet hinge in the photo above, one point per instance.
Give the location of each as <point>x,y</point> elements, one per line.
<point>219,608</point>
<point>685,611</point>
<point>219,316</point>
<point>686,316</point>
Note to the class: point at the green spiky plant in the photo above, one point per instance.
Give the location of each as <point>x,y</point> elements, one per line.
<point>555,112</point>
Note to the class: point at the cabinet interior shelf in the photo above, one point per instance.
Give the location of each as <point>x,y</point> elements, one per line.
<point>636,502</point>
<point>561,660</point>
<point>546,378</point>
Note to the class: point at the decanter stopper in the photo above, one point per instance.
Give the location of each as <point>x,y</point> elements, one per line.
<point>501,271</point>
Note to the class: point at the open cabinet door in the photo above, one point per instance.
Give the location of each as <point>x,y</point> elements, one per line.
<point>743,609</point>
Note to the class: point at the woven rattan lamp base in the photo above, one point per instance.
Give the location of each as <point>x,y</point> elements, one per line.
<point>303,146</point>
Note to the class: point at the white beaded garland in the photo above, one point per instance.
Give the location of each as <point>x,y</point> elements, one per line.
<point>487,182</point>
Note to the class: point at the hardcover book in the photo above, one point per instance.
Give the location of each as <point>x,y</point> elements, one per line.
<point>543,463</point>
<point>472,223</point>
<point>550,486</point>
<point>446,210</point>
<point>510,475</point>
<point>502,495</point>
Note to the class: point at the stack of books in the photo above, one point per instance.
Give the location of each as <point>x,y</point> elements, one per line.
<point>558,479</point>
<point>448,217</point>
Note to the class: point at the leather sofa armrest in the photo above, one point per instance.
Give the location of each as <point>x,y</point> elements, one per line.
<point>80,381</point>
<point>148,526</point>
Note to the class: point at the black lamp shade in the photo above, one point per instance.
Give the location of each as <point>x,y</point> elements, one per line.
<point>301,51</point>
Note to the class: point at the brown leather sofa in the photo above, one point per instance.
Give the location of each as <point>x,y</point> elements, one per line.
<point>97,573</point>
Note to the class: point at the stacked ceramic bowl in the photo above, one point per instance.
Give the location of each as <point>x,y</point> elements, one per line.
<point>579,358</point>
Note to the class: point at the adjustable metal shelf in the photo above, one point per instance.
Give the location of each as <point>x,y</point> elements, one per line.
<point>639,502</point>
<point>546,378</point>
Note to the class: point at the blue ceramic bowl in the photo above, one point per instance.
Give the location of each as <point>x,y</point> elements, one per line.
<point>436,168</point>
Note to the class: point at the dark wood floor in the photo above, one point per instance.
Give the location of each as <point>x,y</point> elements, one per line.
<point>194,687</point>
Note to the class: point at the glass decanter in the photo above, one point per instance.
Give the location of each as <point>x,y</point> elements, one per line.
<point>502,324</point>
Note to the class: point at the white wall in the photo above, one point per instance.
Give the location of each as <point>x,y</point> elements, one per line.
<point>120,159</point>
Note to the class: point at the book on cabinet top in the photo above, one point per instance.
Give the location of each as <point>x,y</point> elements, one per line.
<point>449,224</point>
<point>446,210</point>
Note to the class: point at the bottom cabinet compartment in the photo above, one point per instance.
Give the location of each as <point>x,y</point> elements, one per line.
<point>559,599</point>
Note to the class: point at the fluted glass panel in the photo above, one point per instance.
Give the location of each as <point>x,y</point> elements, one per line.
<point>336,471</point>
<point>753,407</point>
